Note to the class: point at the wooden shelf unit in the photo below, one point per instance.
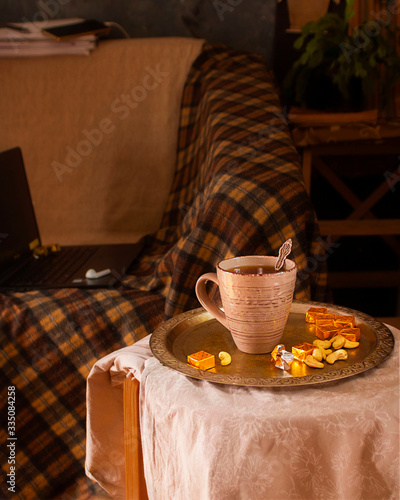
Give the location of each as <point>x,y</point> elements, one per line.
<point>361,221</point>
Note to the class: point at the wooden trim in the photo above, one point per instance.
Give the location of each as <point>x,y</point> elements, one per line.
<point>303,117</point>
<point>364,279</point>
<point>369,146</point>
<point>365,227</point>
<point>371,201</point>
<point>307,167</point>
<point>361,208</point>
<point>134,472</point>
<point>335,181</point>
<point>392,321</point>
<point>352,199</point>
<point>355,20</point>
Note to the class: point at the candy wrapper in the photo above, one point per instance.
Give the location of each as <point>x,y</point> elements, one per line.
<point>283,359</point>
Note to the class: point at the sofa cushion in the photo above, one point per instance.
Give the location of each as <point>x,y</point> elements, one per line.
<point>98,134</point>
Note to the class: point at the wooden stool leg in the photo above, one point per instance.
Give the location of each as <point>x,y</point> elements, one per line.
<point>135,481</point>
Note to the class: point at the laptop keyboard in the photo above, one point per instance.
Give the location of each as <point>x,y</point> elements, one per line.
<point>55,268</point>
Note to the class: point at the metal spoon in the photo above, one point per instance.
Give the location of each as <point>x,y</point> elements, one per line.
<point>284,251</point>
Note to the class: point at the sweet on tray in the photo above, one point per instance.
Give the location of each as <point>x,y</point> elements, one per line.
<point>301,351</point>
<point>310,314</point>
<point>345,321</point>
<point>324,317</point>
<point>335,333</point>
<point>324,322</point>
<point>282,358</point>
<point>202,360</point>
<point>329,325</point>
<point>338,330</point>
<point>352,334</point>
<point>326,332</point>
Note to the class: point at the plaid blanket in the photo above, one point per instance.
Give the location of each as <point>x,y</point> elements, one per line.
<point>237,190</point>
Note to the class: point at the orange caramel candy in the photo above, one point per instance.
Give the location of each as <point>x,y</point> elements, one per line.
<point>301,351</point>
<point>326,332</point>
<point>352,334</point>
<point>325,322</point>
<point>325,316</point>
<point>345,321</point>
<point>202,360</point>
<point>310,314</point>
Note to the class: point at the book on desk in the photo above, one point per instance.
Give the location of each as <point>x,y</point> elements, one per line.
<point>27,39</point>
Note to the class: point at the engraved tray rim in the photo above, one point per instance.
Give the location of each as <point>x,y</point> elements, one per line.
<point>383,348</point>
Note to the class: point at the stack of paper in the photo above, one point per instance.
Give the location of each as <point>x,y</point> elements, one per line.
<point>27,39</point>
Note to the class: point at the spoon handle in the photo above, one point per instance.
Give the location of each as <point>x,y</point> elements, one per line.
<point>284,251</point>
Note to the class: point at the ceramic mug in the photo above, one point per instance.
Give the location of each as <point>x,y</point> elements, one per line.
<point>256,303</point>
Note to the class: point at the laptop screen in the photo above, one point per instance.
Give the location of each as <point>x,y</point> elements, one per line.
<point>18,228</point>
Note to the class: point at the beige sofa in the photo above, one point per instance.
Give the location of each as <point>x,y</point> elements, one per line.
<point>176,139</point>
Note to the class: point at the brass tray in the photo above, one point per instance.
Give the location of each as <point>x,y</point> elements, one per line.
<point>197,330</point>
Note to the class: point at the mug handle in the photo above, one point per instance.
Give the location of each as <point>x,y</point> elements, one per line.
<point>205,300</point>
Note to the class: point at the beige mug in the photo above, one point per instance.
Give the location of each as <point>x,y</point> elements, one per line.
<point>256,300</point>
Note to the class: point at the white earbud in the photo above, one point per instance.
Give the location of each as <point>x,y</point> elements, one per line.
<point>93,275</point>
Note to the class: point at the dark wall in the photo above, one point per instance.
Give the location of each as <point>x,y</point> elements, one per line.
<point>242,24</point>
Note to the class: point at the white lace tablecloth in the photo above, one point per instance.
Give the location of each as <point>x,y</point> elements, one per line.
<point>206,441</point>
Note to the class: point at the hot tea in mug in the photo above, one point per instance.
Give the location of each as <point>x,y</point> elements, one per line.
<point>256,300</point>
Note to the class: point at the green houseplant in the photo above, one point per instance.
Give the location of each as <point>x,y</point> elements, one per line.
<point>337,70</point>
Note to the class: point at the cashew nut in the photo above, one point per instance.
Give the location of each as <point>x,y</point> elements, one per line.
<point>338,342</point>
<point>313,363</point>
<point>334,356</point>
<point>317,354</point>
<point>225,358</point>
<point>322,354</point>
<point>350,345</point>
<point>324,344</point>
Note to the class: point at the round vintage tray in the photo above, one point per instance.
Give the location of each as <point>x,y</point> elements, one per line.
<point>197,330</point>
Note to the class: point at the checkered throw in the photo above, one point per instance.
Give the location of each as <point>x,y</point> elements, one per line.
<point>238,190</point>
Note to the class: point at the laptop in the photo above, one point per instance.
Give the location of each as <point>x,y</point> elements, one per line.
<point>65,267</point>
